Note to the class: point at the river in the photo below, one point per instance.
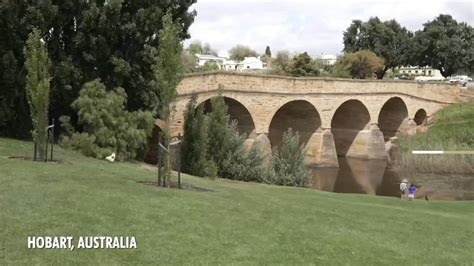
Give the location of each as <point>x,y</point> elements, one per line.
<point>375,177</point>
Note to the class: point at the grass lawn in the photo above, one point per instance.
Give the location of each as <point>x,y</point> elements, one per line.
<point>237,223</point>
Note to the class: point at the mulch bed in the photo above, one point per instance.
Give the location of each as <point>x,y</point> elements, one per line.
<point>175,186</point>
<point>26,158</point>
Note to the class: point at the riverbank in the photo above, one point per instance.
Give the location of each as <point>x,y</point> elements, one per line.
<point>453,130</point>
<point>223,222</point>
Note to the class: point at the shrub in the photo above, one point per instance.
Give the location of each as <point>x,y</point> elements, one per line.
<point>289,168</point>
<point>240,163</point>
<point>217,138</point>
<point>213,147</point>
<point>107,126</point>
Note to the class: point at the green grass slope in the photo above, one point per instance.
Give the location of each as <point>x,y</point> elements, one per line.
<point>238,223</point>
<point>453,130</point>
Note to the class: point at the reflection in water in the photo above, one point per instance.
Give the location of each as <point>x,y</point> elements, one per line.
<point>374,177</point>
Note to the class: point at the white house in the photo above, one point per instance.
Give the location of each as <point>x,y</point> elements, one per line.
<point>251,63</point>
<point>230,65</point>
<point>329,59</point>
<point>420,72</point>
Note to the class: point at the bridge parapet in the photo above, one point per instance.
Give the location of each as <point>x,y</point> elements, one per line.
<point>253,83</point>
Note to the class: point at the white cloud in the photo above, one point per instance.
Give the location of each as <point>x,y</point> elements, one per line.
<point>313,26</point>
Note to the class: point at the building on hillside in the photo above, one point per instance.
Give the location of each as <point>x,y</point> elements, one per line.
<point>329,59</point>
<point>251,63</point>
<point>205,58</point>
<point>248,64</point>
<point>420,72</point>
<point>230,65</point>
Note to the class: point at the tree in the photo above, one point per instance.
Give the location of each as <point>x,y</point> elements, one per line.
<point>388,40</point>
<point>361,64</point>
<point>18,18</point>
<point>268,52</point>
<point>196,47</point>
<point>168,73</point>
<point>189,61</point>
<point>206,49</point>
<point>115,41</point>
<point>302,65</point>
<point>107,125</point>
<point>281,64</point>
<point>298,66</point>
<point>444,44</point>
<point>267,57</point>
<point>289,162</point>
<point>239,52</point>
<point>195,140</point>
<point>220,135</point>
<point>38,65</point>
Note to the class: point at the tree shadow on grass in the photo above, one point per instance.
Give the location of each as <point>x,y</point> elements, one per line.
<point>26,158</point>
<point>175,186</point>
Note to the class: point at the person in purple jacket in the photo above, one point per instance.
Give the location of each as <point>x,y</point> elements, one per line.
<point>411,192</point>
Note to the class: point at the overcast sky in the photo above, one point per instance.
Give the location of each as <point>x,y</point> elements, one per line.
<point>312,26</point>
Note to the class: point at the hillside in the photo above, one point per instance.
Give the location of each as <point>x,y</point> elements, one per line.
<point>452,130</point>
<point>235,222</point>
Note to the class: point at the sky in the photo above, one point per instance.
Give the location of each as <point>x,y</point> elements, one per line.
<point>312,26</point>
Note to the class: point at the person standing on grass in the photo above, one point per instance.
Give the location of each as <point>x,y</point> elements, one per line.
<point>411,191</point>
<point>403,187</point>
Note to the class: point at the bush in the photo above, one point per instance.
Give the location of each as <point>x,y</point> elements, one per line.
<point>362,64</point>
<point>215,137</point>
<point>213,147</point>
<point>240,163</point>
<point>289,167</point>
<point>107,126</point>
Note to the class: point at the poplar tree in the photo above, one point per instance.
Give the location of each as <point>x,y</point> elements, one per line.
<point>168,71</point>
<point>38,78</point>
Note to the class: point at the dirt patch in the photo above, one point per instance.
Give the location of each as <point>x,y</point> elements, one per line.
<point>25,158</point>
<point>175,186</point>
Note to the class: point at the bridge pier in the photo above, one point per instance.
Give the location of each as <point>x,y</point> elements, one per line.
<point>321,150</point>
<point>408,127</point>
<point>363,144</point>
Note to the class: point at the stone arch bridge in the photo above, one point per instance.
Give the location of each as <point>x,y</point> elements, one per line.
<point>334,117</point>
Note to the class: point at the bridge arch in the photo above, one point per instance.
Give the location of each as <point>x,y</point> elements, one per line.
<point>299,115</point>
<point>237,111</point>
<point>392,115</point>
<point>351,117</point>
<point>420,117</point>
